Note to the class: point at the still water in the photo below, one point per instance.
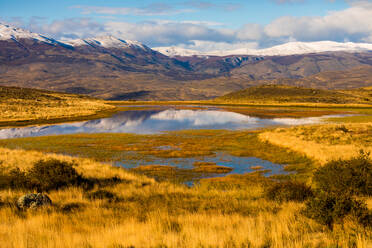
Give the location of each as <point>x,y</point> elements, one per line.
<point>158,120</point>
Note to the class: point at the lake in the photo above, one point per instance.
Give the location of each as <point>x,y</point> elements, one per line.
<point>157,119</point>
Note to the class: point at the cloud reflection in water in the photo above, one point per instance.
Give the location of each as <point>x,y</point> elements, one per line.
<point>155,121</point>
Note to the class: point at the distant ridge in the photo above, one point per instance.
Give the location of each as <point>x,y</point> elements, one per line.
<point>291,48</point>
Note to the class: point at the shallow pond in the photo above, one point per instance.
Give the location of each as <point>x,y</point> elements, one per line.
<point>239,165</point>
<point>158,119</point>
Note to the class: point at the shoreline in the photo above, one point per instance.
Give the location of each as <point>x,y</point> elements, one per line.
<point>25,123</point>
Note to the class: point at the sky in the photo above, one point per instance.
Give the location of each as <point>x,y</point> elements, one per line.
<point>203,25</point>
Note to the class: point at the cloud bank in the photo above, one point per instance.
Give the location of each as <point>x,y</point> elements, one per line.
<point>351,24</point>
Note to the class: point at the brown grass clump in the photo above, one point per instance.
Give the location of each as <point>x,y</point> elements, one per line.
<point>210,167</point>
<point>154,168</point>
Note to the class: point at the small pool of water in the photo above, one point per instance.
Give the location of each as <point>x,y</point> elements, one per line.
<point>164,118</point>
<point>240,165</point>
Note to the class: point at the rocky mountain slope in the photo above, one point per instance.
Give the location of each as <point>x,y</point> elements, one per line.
<point>118,69</point>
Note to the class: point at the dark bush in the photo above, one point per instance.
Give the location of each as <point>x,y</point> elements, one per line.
<point>71,207</point>
<point>52,174</point>
<point>14,179</point>
<point>289,191</point>
<point>106,182</point>
<point>352,176</point>
<point>102,195</point>
<point>328,209</point>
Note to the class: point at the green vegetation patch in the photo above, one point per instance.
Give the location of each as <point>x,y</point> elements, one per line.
<point>127,148</point>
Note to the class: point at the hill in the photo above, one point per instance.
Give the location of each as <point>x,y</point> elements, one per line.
<point>292,94</point>
<point>20,106</point>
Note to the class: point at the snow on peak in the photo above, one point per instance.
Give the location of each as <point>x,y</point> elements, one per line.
<point>290,48</point>
<point>176,51</point>
<point>8,32</point>
<point>107,41</point>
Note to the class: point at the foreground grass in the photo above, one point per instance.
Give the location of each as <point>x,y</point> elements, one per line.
<point>19,106</point>
<point>145,213</point>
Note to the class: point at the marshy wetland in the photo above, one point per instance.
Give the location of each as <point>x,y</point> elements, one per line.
<point>170,142</point>
<point>184,176</point>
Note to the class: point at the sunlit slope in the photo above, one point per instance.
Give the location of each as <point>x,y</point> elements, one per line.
<point>291,94</point>
<point>20,105</point>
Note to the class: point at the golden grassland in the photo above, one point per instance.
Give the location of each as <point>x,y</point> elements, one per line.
<point>323,142</point>
<point>291,94</point>
<point>152,214</point>
<point>27,106</point>
<point>229,211</point>
<point>281,96</point>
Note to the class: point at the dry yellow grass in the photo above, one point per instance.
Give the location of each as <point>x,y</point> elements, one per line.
<point>17,105</point>
<point>238,217</point>
<point>324,142</point>
<point>25,159</point>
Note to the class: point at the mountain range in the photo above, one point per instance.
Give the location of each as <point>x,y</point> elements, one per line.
<point>117,69</point>
<point>290,48</point>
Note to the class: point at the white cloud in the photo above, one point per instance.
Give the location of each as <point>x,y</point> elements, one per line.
<point>167,33</point>
<point>206,46</point>
<point>150,10</point>
<point>351,24</point>
<point>250,31</point>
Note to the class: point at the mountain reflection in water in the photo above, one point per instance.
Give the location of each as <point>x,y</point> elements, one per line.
<point>155,121</point>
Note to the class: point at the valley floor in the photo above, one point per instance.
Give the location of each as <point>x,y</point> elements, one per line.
<point>128,209</point>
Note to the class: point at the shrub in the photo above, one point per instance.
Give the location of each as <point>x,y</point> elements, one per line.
<point>14,179</point>
<point>52,174</point>
<point>352,176</point>
<point>328,209</point>
<point>289,191</point>
<point>71,207</point>
<point>102,195</point>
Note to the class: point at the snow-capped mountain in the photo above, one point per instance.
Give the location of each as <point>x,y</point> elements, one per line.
<point>177,51</point>
<point>107,41</point>
<point>119,69</point>
<point>290,48</point>
<point>8,32</point>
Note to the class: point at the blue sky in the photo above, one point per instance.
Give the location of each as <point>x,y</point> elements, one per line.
<point>196,24</point>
